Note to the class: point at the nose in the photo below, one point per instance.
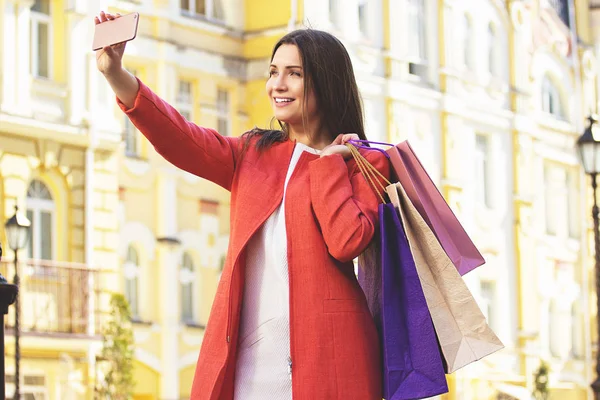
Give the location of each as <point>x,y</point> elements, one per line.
<point>279,84</point>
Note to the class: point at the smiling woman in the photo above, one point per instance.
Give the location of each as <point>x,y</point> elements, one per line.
<point>289,319</point>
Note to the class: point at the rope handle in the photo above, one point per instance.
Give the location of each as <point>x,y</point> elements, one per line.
<point>369,171</point>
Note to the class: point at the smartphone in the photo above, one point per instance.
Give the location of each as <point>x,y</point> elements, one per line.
<point>118,30</point>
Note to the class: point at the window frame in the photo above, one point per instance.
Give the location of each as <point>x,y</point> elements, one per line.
<point>468,59</point>
<point>550,98</point>
<point>36,19</point>
<point>484,196</point>
<point>190,283</point>
<point>185,106</point>
<point>209,10</point>
<point>223,114</point>
<point>135,266</point>
<point>130,133</point>
<point>37,206</point>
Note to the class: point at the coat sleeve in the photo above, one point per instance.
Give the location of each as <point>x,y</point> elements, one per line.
<point>345,204</point>
<point>200,151</point>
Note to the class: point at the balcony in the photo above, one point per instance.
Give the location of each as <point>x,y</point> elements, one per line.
<point>57,299</point>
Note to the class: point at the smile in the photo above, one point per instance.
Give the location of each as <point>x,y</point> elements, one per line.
<point>282,101</point>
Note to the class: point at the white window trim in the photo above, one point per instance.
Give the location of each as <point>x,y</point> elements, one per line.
<point>192,281</point>
<point>36,19</point>
<point>549,89</point>
<point>210,10</point>
<point>367,32</point>
<point>135,268</point>
<point>334,14</point>
<point>468,59</point>
<point>37,206</point>
<point>185,105</point>
<point>226,113</point>
<point>488,194</point>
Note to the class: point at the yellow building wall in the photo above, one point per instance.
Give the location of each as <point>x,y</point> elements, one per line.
<point>263,14</point>
<point>147,386</point>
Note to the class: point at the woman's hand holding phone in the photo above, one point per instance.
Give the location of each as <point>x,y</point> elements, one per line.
<point>109,61</point>
<point>109,58</point>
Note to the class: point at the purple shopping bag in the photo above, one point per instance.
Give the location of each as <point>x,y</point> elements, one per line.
<point>412,361</point>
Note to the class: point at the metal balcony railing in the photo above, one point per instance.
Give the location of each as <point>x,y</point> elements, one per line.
<point>56,298</point>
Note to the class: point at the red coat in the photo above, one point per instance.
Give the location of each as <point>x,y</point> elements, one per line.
<point>331,215</point>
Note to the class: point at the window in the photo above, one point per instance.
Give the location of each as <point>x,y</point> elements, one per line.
<point>492,51</point>
<point>185,99</point>
<point>186,279</point>
<point>33,387</point>
<point>577,333</point>
<point>131,272</point>
<point>208,8</point>
<point>333,13</point>
<point>482,170</point>
<point>363,17</point>
<point>468,45</point>
<point>488,293</point>
<point>223,112</point>
<point>130,134</point>
<point>562,10</point>
<point>41,39</point>
<point>561,201</point>
<point>417,45</point>
<point>551,102</point>
<point>41,212</point>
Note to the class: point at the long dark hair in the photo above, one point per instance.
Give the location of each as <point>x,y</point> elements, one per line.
<point>328,72</point>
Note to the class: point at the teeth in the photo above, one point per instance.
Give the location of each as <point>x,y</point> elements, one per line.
<point>278,100</point>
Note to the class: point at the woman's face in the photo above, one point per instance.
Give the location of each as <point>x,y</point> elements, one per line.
<point>285,88</point>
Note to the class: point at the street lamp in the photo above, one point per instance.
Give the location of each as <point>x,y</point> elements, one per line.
<point>17,233</point>
<point>588,146</point>
<point>8,294</point>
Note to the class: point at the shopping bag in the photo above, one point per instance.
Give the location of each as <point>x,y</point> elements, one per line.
<point>461,327</point>
<point>412,363</point>
<point>430,203</point>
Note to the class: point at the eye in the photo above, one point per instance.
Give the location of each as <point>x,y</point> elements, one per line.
<point>296,73</point>
<point>272,72</point>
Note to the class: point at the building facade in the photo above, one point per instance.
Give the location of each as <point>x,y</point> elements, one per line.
<point>491,95</point>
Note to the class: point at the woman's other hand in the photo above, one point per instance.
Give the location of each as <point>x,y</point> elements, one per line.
<point>109,58</point>
<point>338,146</point>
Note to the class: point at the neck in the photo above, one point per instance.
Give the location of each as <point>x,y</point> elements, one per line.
<point>315,138</point>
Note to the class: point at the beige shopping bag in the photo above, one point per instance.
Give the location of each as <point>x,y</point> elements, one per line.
<point>461,327</point>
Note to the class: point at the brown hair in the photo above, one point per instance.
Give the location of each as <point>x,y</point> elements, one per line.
<point>329,73</point>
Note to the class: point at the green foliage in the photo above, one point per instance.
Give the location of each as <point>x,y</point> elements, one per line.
<point>117,353</point>
<point>540,376</point>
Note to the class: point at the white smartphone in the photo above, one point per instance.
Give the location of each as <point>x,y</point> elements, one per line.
<point>118,30</point>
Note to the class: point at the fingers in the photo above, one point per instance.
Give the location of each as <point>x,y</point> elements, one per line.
<point>103,17</point>
<point>349,136</point>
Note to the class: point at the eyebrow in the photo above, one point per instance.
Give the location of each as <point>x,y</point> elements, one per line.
<point>287,67</point>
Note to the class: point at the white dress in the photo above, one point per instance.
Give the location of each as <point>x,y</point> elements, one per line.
<point>263,369</point>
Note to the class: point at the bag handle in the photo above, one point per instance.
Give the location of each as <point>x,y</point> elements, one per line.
<point>369,171</point>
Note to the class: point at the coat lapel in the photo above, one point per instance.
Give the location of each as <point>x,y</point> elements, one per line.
<point>260,191</point>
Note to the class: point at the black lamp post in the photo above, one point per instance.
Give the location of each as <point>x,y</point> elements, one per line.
<point>8,294</point>
<point>17,233</point>
<point>588,146</point>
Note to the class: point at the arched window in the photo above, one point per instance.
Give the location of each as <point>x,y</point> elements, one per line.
<point>41,212</point>
<point>468,42</point>
<point>186,279</point>
<point>131,272</point>
<point>551,101</point>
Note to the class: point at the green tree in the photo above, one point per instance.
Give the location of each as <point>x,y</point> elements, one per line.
<point>540,381</point>
<point>117,353</point>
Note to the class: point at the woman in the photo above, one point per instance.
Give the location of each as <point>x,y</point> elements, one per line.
<point>289,317</point>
